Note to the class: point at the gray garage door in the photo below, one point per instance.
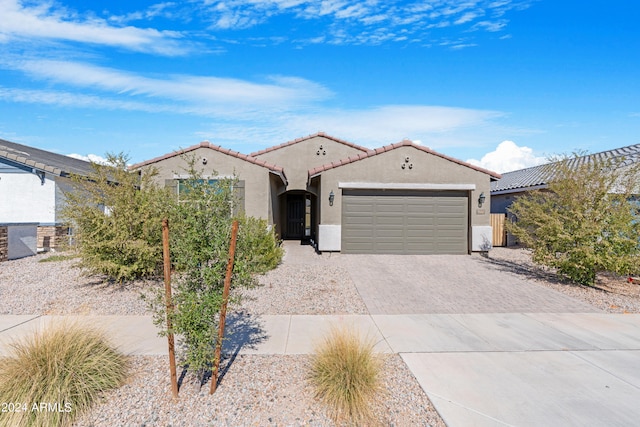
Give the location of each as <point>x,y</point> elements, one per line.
<point>405,222</point>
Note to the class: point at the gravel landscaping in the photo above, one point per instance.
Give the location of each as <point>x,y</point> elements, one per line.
<point>29,286</point>
<point>611,293</point>
<point>255,389</point>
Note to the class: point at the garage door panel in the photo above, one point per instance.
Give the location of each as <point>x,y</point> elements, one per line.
<point>418,209</point>
<point>390,248</point>
<point>404,222</point>
<point>357,219</point>
<point>420,235</point>
<point>389,221</point>
<point>449,222</point>
<point>416,221</point>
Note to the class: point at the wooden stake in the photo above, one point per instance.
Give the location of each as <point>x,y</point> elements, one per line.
<point>223,309</point>
<point>169,306</point>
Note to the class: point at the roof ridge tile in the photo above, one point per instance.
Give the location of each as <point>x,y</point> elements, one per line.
<point>404,143</point>
<point>304,138</point>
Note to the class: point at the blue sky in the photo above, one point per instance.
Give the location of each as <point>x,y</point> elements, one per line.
<point>504,82</point>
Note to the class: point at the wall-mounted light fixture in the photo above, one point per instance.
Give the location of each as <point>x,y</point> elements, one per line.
<point>331,198</point>
<point>481,200</point>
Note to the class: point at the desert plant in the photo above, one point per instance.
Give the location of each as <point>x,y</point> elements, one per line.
<point>346,375</point>
<point>116,219</point>
<point>587,221</point>
<point>258,249</point>
<point>56,374</point>
<point>200,234</point>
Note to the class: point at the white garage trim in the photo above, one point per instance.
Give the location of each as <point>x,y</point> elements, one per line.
<point>403,186</point>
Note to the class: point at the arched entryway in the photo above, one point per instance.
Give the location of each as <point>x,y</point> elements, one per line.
<point>298,216</point>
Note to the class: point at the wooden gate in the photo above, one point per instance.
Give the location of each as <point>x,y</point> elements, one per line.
<point>499,231</point>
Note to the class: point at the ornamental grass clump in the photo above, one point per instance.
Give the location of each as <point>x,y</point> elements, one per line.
<point>57,374</point>
<point>346,375</point>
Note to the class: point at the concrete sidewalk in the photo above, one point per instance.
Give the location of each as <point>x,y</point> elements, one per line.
<point>478,369</point>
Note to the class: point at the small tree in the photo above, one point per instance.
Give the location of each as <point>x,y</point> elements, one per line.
<point>587,220</point>
<point>200,236</point>
<point>116,220</point>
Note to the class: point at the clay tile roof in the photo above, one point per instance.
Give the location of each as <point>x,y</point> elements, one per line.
<point>207,144</point>
<point>404,143</point>
<point>297,140</point>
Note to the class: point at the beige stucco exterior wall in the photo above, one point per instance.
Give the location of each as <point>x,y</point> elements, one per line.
<point>298,158</point>
<point>257,182</point>
<point>387,168</point>
<point>275,187</point>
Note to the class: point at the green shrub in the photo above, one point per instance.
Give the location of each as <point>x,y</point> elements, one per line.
<point>65,368</point>
<point>116,218</point>
<point>200,232</point>
<point>587,221</point>
<point>346,375</point>
<point>258,249</point>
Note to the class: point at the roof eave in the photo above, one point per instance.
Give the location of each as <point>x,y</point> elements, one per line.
<point>519,189</point>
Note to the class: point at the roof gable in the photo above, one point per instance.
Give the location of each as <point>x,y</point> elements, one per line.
<point>539,176</point>
<point>206,144</point>
<point>35,158</point>
<point>306,138</point>
<point>404,143</point>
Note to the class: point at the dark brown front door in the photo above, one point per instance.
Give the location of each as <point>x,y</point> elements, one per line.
<point>295,216</point>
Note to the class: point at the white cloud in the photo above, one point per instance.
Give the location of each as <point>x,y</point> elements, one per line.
<point>281,105</point>
<point>508,156</point>
<point>198,92</point>
<point>45,22</point>
<point>406,119</point>
<point>467,17</point>
<point>357,19</point>
<point>90,158</point>
<point>75,100</point>
<point>444,129</point>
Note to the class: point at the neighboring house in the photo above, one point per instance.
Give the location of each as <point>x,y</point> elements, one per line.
<point>32,185</point>
<point>514,184</point>
<point>401,198</point>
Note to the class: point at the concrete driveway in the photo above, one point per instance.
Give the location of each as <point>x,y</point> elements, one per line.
<point>431,284</point>
<point>492,348</point>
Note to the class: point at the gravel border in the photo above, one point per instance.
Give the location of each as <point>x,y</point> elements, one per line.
<point>303,289</point>
<point>613,294</point>
<point>256,390</point>
<point>30,286</point>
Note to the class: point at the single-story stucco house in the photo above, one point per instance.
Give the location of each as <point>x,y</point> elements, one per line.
<point>516,183</point>
<point>401,198</point>
<point>32,185</point>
